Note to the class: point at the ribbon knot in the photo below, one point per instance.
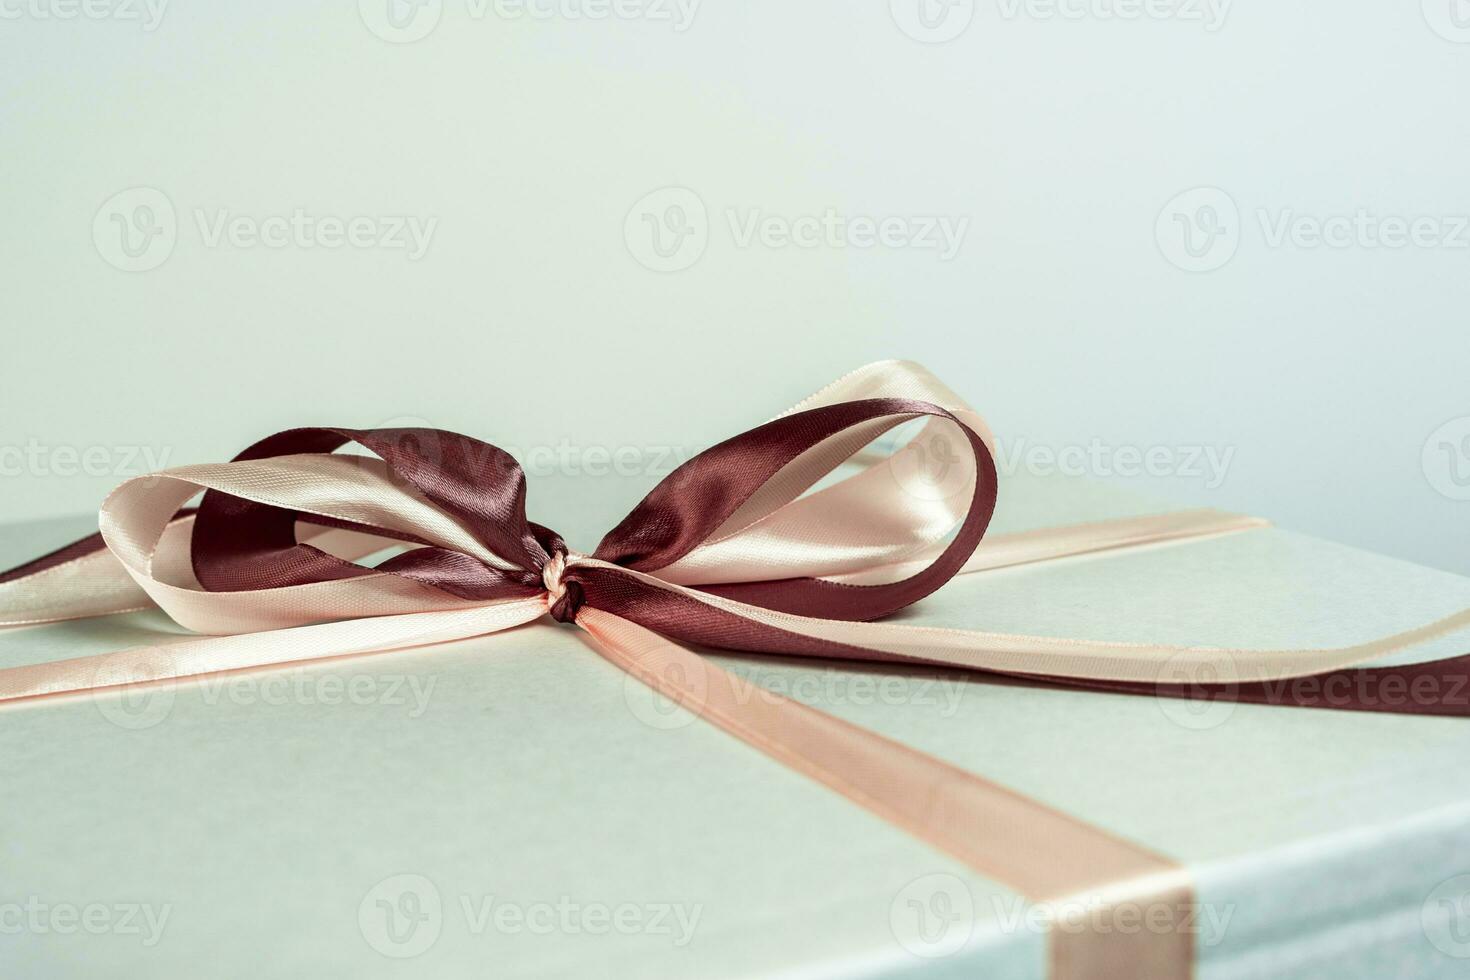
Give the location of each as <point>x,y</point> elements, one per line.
<point>564,596</point>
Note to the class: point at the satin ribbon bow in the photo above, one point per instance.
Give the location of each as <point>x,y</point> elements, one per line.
<point>744,548</point>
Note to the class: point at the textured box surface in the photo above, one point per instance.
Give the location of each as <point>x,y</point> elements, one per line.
<point>514,806</point>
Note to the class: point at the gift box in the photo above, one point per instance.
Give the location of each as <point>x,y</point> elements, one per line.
<point>515,805</point>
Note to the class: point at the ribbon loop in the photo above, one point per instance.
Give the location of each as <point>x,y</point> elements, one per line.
<point>780,566</point>
<point>241,544</point>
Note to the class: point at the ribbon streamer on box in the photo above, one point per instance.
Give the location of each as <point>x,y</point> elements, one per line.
<point>741,548</point>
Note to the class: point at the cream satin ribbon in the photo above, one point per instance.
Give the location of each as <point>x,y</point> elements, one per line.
<point>877,526</point>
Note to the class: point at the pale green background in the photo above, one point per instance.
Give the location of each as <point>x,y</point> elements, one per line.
<point>529,322</point>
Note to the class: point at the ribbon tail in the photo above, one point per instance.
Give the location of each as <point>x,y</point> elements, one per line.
<point>1305,677</point>
<point>1043,853</point>
<point>85,579</point>
<point>272,648</point>
<point>1117,534</point>
<point>1434,687</point>
<point>78,581</point>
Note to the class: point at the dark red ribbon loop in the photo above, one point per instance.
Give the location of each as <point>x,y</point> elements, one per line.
<point>699,496</point>
<point>240,544</point>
